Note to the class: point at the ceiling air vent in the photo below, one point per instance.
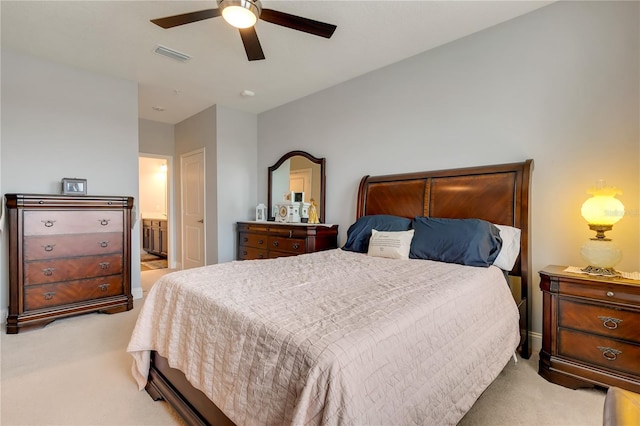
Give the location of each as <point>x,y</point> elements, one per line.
<point>170,53</point>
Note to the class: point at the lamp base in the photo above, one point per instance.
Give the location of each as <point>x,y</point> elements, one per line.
<point>596,270</point>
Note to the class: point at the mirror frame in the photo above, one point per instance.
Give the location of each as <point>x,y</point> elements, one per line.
<point>323,181</point>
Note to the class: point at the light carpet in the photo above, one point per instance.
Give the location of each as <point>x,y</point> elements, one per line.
<point>76,371</point>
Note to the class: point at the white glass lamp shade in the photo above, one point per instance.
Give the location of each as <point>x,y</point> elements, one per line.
<point>240,13</point>
<point>603,208</point>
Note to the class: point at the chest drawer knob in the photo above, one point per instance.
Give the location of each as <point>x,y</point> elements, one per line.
<point>48,223</point>
<point>296,246</point>
<point>276,243</point>
<point>609,353</point>
<point>103,287</point>
<point>610,322</point>
<point>104,244</point>
<point>104,222</point>
<point>260,242</point>
<point>49,295</point>
<point>48,247</point>
<point>48,271</point>
<point>610,294</point>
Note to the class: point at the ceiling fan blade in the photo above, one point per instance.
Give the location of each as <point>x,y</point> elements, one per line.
<point>251,44</point>
<point>298,23</point>
<point>186,18</point>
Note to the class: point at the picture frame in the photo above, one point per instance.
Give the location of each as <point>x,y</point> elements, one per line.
<point>74,186</point>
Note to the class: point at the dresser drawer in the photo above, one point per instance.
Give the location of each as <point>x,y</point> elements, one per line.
<point>54,246</point>
<point>71,222</point>
<point>253,240</point>
<point>288,245</point>
<point>606,321</point>
<point>48,271</point>
<point>48,295</point>
<point>604,352</point>
<point>249,253</point>
<point>608,292</point>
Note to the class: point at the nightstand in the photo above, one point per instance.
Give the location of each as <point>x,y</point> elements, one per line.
<point>590,330</point>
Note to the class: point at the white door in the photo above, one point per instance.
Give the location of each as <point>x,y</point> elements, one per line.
<point>193,214</point>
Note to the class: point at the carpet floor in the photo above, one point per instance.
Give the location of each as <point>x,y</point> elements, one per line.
<point>76,371</point>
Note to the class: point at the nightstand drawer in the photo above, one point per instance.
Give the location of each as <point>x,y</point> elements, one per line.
<point>607,353</point>
<point>608,292</point>
<point>253,240</point>
<point>289,245</point>
<point>616,323</point>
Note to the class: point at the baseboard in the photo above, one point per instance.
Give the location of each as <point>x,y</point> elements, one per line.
<point>136,293</point>
<point>535,341</point>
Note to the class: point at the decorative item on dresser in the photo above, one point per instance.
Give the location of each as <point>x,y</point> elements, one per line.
<point>591,330</point>
<point>67,255</point>
<point>264,240</point>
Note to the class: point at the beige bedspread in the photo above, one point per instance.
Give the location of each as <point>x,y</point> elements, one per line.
<point>332,338</point>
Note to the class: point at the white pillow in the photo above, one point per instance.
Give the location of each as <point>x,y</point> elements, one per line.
<point>510,247</point>
<point>394,245</point>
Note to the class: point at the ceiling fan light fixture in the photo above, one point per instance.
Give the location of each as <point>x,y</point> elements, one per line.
<point>240,13</point>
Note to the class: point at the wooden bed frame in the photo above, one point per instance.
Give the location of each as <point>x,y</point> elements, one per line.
<point>498,194</point>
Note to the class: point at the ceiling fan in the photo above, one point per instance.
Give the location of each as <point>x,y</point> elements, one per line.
<point>243,14</point>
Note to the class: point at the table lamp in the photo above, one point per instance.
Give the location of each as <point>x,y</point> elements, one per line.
<point>601,212</point>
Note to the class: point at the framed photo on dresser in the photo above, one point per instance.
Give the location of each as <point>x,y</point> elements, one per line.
<point>74,186</point>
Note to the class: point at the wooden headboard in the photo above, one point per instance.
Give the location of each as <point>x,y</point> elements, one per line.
<point>498,194</point>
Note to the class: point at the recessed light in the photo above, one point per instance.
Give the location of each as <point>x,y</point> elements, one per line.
<point>158,108</point>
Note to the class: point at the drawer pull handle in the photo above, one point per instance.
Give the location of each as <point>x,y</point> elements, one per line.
<point>104,222</point>
<point>104,265</point>
<point>104,244</point>
<point>48,247</point>
<point>48,223</point>
<point>244,252</point>
<point>610,294</point>
<point>276,244</point>
<point>246,240</point>
<point>48,271</point>
<point>260,256</point>
<point>296,246</point>
<point>609,353</point>
<point>260,242</point>
<point>610,322</point>
<point>290,233</point>
<point>103,287</point>
<point>49,295</point>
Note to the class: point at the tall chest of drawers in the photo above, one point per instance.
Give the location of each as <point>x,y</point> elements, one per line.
<point>591,330</point>
<point>67,256</point>
<point>266,240</point>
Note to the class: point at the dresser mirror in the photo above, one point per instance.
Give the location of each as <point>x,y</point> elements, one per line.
<point>297,171</point>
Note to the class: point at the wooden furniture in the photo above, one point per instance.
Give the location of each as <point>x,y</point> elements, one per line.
<point>498,193</point>
<point>591,330</point>
<point>155,237</point>
<point>621,408</point>
<point>67,255</point>
<point>280,180</point>
<point>265,240</point>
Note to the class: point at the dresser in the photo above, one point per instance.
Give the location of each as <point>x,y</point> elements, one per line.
<point>68,255</point>
<point>265,240</point>
<point>591,330</point>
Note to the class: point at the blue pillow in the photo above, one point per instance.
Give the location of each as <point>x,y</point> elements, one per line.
<point>359,233</point>
<point>472,242</point>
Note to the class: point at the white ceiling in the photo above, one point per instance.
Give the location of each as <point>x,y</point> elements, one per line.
<point>117,39</point>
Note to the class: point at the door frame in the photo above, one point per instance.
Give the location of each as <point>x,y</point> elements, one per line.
<point>171,217</point>
<point>204,206</point>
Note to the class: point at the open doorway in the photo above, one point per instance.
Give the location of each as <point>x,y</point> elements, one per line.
<point>155,212</point>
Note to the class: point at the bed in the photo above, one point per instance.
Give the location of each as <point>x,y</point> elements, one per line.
<point>338,337</point>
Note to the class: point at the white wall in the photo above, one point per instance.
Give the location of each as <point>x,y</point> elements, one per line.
<point>237,160</point>
<point>559,85</point>
<point>64,122</point>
